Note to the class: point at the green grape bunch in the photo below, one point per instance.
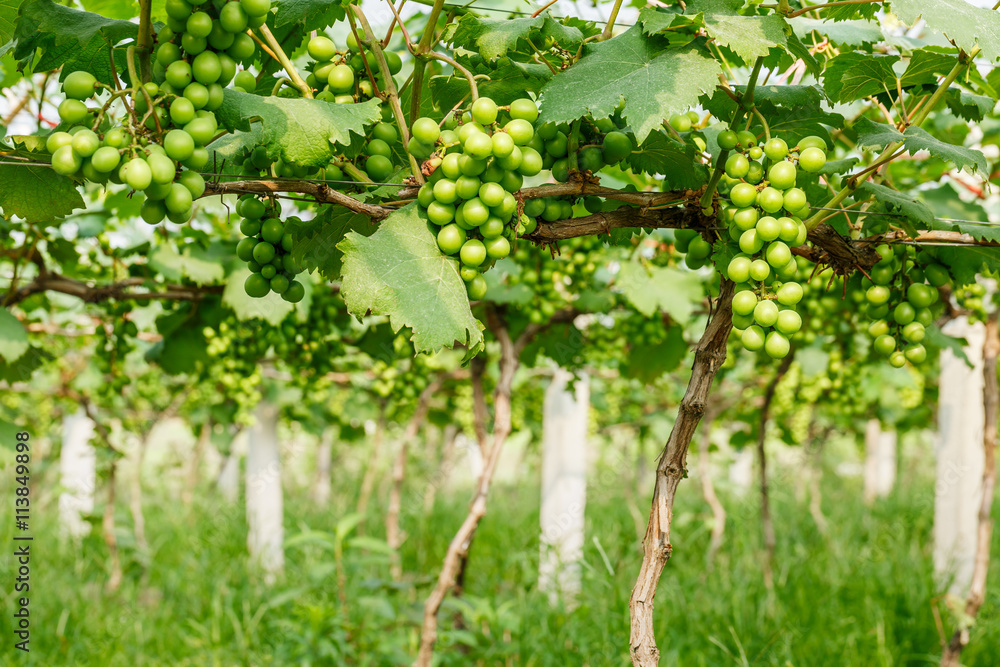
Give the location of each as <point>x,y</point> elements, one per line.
<point>764,219</point>
<point>266,248</point>
<point>479,162</point>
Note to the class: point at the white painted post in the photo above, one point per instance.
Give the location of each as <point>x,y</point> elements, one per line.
<point>78,474</point>
<point>264,494</point>
<point>228,481</point>
<point>959,458</point>
<point>741,471</point>
<point>564,487</point>
<point>880,461</point>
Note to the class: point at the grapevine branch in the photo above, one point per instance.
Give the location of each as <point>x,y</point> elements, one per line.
<point>53,282</point>
<point>670,470</point>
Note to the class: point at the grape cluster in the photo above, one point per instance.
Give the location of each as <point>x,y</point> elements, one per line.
<point>900,302</point>
<point>235,349</point>
<point>478,166</point>
<point>341,76</point>
<point>555,281</point>
<point>266,248</point>
<point>970,299</point>
<point>764,218</point>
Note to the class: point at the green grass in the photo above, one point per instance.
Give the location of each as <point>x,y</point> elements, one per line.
<point>862,595</point>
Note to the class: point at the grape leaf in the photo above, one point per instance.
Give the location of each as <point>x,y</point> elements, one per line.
<point>899,201</point>
<point>303,131</point>
<point>314,14</point>
<point>13,337</point>
<point>925,65</point>
<point>112,9</point>
<point>962,22</point>
<point>655,288</point>
<point>850,33</point>
<point>963,158</point>
<point>852,76</point>
<point>271,308</point>
<point>653,81</point>
<point>78,39</point>
<point>660,154</point>
<point>968,106</point>
<point>872,134</point>
<point>648,362</point>
<point>399,272</point>
<point>494,38</point>
<point>8,18</point>
<point>958,215</point>
<point>748,36</point>
<point>180,351</point>
<point>175,266</point>
<point>36,194</point>
<point>21,370</point>
<point>793,112</point>
<point>315,241</point>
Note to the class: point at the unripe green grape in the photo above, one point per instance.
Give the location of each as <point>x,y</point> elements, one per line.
<point>789,294</point>
<point>244,249</point>
<point>727,140</point>
<point>812,141</point>
<point>768,229</point>
<point>249,227</point>
<point>616,147</point>
<point>765,313</point>
<point>920,295</point>
<point>744,302</point>
<point>426,131</point>
<point>503,145</point>
<point>750,243</point>
<point>179,199</point>
<point>473,253</point>
<point>220,39</point>
<point>524,109</point>
<point>57,140</point>
<point>419,150</point>
<point>440,214</point>
<point>294,293</point>
<point>737,166</point>
<point>475,212</point>
<point>271,230</point>
<point>492,228</point>
<point>379,168</point>
<point>479,146</point>
<point>105,159</point>
<point>789,231</point>
<point>136,174</point>
<point>789,322</point>
<point>157,191</point>
<point>65,161</point>
<point>79,85</point>
<point>85,142</point>
<point>560,170</point>
<point>916,354</point>
<point>904,313</point>
<point>897,359</point>
<point>73,112</point>
<point>243,47</point>
<point>476,288</point>
<point>699,248</point>
<point>812,159</point>
<point>755,174</point>
<point>914,332</point>
<point>755,153</point>
<point>739,269</point>
<point>256,286</point>
<point>770,200</point>
<point>782,175</point>
<point>234,19</point>
<point>877,295</point>
<point>680,122</point>
<point>484,111</point>
<point>153,211</point>
<point>742,195</point>
<point>179,74</point>
<point>531,162</point>
<point>177,9</point>
<point>795,200</point>
<point>193,45</point>
<point>878,328</point>
<point>776,149</point>
<point>759,270</point>
<point>753,338</point>
<point>161,167</point>
<point>776,346</point>
<point>199,24</point>
<point>497,247</point>
<point>746,139</point>
<point>206,68</point>
<point>885,344</point>
<point>778,255</point>
<point>511,163</point>
<point>745,218</point>
<point>202,130</point>
<point>558,146</point>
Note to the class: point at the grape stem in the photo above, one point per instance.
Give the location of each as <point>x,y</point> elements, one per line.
<point>264,47</point>
<point>144,43</point>
<point>279,55</point>
<point>609,28</point>
<point>391,93</point>
<point>574,144</point>
<point>420,62</point>
<point>890,151</point>
<point>746,104</point>
<point>760,117</point>
<point>364,59</point>
<point>137,84</point>
<point>104,109</point>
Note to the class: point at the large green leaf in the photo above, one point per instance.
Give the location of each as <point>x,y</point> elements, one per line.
<point>748,36</point>
<point>961,21</point>
<point>314,14</point>
<point>925,65</point>
<point>21,370</point>
<point>654,82</point>
<point>399,272</point>
<point>8,17</point>
<point>660,288</point>
<point>70,37</point>
<point>36,194</point>
<point>13,337</point>
<point>494,38</point>
<point>852,76</point>
<point>303,131</point>
<point>916,139</point>
<point>315,241</point>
